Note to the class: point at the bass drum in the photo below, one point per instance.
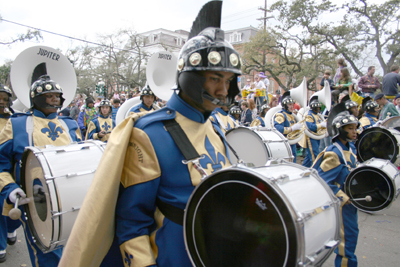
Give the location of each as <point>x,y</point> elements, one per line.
<point>256,145</point>
<point>379,142</point>
<point>392,122</point>
<point>57,179</point>
<point>377,178</point>
<point>278,215</point>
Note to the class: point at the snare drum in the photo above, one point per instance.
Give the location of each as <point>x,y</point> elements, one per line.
<point>256,145</point>
<point>392,122</point>
<point>57,178</point>
<point>376,178</point>
<point>379,142</point>
<point>278,215</point>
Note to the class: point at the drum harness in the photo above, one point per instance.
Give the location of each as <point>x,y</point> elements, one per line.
<point>29,129</point>
<point>344,158</point>
<point>190,154</point>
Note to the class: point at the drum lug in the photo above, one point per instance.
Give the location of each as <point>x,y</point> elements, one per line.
<point>332,244</point>
<point>280,179</point>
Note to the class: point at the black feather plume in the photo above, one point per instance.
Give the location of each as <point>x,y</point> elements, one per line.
<point>38,71</point>
<point>209,16</point>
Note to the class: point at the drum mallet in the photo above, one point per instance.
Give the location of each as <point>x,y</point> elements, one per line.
<point>367,198</point>
<point>15,213</point>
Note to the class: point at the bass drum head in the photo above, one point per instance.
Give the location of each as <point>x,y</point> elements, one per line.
<point>370,181</point>
<point>234,218</point>
<point>377,142</point>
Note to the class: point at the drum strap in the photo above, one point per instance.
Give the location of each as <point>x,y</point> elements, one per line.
<point>29,129</point>
<point>171,212</point>
<point>65,126</point>
<point>341,151</point>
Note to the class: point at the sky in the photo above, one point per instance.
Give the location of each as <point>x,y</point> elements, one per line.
<point>86,19</point>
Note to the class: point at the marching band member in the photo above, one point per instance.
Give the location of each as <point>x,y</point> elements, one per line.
<point>153,172</point>
<point>147,97</point>
<point>8,233</point>
<point>100,128</point>
<point>220,117</point>
<point>259,121</point>
<point>314,123</point>
<point>88,113</point>
<point>371,113</point>
<point>234,113</point>
<point>39,127</point>
<point>333,165</point>
<point>285,122</point>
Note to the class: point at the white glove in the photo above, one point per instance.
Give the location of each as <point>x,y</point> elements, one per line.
<point>323,124</point>
<point>38,189</point>
<point>13,196</point>
<point>297,126</point>
<point>377,124</point>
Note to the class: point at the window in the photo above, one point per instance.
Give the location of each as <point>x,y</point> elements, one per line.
<point>235,37</point>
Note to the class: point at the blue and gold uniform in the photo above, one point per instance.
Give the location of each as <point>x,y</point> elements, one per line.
<point>152,171</point>
<point>101,123</point>
<point>332,168</point>
<point>47,130</point>
<point>141,108</point>
<point>221,119</point>
<point>313,121</point>
<point>368,120</point>
<point>283,121</point>
<point>259,121</point>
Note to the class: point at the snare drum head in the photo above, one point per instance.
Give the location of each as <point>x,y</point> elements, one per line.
<point>370,181</point>
<point>377,142</point>
<point>234,218</point>
<point>392,122</point>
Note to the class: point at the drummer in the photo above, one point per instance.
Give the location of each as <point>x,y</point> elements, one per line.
<point>154,173</point>
<point>333,165</point>
<point>147,97</point>
<point>259,121</point>
<point>234,113</point>
<point>38,127</point>
<point>371,109</point>
<point>8,233</point>
<point>100,127</point>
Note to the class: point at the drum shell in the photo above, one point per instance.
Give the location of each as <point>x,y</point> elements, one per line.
<point>65,174</point>
<point>377,178</point>
<point>256,145</point>
<point>288,196</point>
<point>379,142</point>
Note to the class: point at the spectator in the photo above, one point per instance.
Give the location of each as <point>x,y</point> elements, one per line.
<point>387,108</point>
<point>345,80</point>
<point>369,84</point>
<point>246,89</point>
<point>74,110</point>
<point>391,82</point>
<point>98,100</point>
<point>260,91</point>
<point>116,104</point>
<point>266,81</point>
<point>397,102</point>
<point>327,75</point>
<point>274,102</point>
<point>246,116</point>
<point>253,108</point>
<point>341,65</point>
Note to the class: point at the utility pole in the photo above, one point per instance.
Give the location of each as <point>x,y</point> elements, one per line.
<point>265,18</point>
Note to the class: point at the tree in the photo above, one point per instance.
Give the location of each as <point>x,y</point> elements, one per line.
<point>288,58</point>
<point>360,27</point>
<point>22,37</point>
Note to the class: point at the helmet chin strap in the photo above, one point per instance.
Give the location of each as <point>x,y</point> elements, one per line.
<point>214,100</point>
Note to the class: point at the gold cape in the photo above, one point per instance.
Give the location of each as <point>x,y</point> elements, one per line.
<point>93,231</point>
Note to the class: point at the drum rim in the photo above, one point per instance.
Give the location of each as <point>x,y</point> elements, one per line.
<point>378,129</point>
<point>390,182</point>
<point>29,221</point>
<point>299,242</point>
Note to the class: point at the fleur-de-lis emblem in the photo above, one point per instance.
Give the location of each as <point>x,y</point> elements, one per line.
<point>128,258</point>
<point>340,198</point>
<point>215,160</point>
<point>52,131</point>
<point>106,126</point>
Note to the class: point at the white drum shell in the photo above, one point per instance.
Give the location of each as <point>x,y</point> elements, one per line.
<point>256,145</point>
<point>65,173</point>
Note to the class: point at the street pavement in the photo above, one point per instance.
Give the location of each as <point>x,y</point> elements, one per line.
<point>378,241</point>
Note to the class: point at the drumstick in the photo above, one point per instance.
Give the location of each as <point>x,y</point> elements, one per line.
<point>367,198</point>
<point>15,213</point>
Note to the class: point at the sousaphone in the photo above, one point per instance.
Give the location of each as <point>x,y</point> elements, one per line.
<point>299,94</point>
<point>324,96</point>
<point>51,62</point>
<point>161,74</point>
